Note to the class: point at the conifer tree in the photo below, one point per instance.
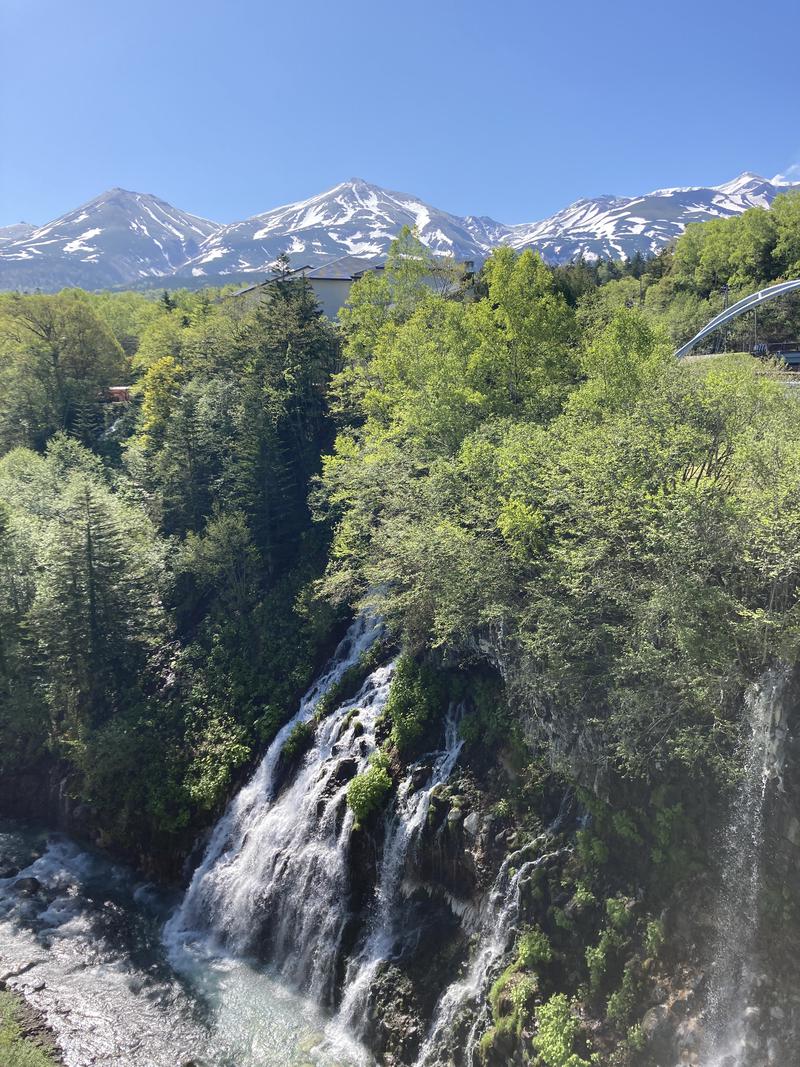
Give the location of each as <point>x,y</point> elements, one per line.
<point>96,612</point>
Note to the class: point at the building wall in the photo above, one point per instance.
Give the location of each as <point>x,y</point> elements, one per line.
<point>332,293</point>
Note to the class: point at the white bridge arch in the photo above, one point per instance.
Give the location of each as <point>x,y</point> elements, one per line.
<point>737,309</point>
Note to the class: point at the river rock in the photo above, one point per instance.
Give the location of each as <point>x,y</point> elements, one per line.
<point>472,824</point>
<point>27,886</point>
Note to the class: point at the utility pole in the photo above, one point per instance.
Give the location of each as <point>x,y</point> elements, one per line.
<point>725,289</point>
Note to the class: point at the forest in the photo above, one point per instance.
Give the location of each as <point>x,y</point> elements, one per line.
<point>599,546</point>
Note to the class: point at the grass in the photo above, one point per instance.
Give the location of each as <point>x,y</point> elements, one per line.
<point>16,1048</point>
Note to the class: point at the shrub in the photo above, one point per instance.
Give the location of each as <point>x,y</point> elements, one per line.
<point>534,948</point>
<point>558,1029</point>
<point>598,956</point>
<point>299,740</point>
<point>510,997</point>
<point>654,937</point>
<point>368,790</point>
<point>636,1038</point>
<point>583,896</point>
<point>625,827</point>
<point>592,850</point>
<point>622,1002</point>
<point>415,698</point>
<point>618,912</point>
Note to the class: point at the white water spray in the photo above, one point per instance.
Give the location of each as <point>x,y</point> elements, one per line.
<point>727,1041</point>
<point>402,831</point>
<point>274,879</point>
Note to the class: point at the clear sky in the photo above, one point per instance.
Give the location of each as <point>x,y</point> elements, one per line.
<point>510,108</point>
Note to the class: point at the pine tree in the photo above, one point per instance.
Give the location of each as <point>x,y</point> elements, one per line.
<point>96,612</point>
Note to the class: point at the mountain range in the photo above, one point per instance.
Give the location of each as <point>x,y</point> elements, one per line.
<point>123,239</point>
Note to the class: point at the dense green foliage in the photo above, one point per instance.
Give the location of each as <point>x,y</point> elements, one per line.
<point>367,791</point>
<point>520,469</point>
<point>156,557</point>
<point>615,529</point>
<point>557,1031</point>
<point>685,285</point>
<point>417,696</point>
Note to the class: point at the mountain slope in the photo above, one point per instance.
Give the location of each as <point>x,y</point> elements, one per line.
<point>18,231</point>
<point>354,218</point>
<point>123,238</point>
<point>118,238</point>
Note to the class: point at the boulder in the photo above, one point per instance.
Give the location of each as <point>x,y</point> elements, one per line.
<point>472,824</point>
<point>27,886</point>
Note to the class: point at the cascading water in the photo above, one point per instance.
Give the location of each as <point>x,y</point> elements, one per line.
<point>274,879</point>
<point>734,972</point>
<point>273,886</point>
<point>80,938</point>
<point>273,882</point>
<point>462,1011</point>
<point>402,830</point>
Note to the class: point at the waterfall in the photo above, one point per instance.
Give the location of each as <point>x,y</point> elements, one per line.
<point>274,880</point>
<point>403,826</point>
<point>466,999</point>
<point>727,1042</point>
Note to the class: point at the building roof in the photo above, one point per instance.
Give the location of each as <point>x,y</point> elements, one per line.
<point>345,268</point>
<point>268,281</point>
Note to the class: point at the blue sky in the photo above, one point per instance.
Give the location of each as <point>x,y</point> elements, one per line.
<point>510,109</point>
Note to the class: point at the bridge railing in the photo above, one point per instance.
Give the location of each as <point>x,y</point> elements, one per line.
<point>737,309</point>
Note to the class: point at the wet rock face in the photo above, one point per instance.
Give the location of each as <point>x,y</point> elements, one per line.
<point>364,863</point>
<point>773,1025</point>
<point>394,1022</point>
<point>443,880</point>
<point>452,854</point>
<point>443,858</point>
<point>34,796</point>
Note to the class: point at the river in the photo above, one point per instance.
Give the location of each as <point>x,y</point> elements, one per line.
<point>84,944</point>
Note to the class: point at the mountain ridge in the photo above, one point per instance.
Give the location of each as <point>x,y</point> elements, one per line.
<point>124,238</point>
<point>114,239</point>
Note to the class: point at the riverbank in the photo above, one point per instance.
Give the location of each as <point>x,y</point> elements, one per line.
<point>25,1038</point>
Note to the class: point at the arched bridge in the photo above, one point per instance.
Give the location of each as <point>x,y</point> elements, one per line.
<point>737,309</point>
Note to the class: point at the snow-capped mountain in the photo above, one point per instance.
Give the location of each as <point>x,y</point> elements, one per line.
<point>618,227</point>
<point>116,239</point>
<point>354,218</point>
<point>123,238</point>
